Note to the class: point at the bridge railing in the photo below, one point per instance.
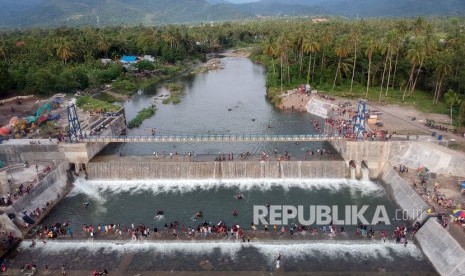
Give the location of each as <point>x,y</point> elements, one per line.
<point>212,137</point>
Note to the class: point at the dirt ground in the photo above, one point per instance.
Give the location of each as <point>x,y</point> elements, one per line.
<point>395,118</point>
<point>447,187</point>
<point>28,107</point>
<point>11,108</point>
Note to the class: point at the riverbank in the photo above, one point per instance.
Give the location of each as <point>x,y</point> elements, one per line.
<point>402,120</point>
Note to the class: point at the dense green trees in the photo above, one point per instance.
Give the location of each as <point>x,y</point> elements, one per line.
<point>376,59</point>
<point>404,59</point>
<point>45,61</point>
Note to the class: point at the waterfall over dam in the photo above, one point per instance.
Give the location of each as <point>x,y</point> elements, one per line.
<point>216,170</point>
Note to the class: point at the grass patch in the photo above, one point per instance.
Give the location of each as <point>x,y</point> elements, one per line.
<point>174,87</point>
<point>172,99</point>
<point>107,98</point>
<point>142,115</point>
<point>273,94</point>
<point>199,70</point>
<point>87,103</point>
<point>125,85</point>
<point>176,91</point>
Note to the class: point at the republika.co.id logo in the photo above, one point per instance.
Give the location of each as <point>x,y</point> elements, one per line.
<point>319,215</point>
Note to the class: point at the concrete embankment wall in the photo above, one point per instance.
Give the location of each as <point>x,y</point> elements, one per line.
<point>446,254</point>
<point>20,153</point>
<point>376,154</point>
<point>47,189</point>
<point>436,158</point>
<point>406,197</point>
<point>215,170</point>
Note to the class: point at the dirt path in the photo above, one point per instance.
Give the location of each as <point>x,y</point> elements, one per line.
<point>395,117</point>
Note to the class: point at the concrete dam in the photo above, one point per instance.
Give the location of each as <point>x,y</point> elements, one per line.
<point>215,170</point>
<point>368,159</point>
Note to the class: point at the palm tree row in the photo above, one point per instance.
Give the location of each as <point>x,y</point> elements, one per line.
<point>399,55</point>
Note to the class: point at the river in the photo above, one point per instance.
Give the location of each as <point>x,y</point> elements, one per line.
<point>240,87</point>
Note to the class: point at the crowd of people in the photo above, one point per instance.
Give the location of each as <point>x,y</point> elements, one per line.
<point>222,157</point>
<point>219,230</point>
<point>316,126</point>
<point>38,212</point>
<point>175,155</point>
<point>8,198</point>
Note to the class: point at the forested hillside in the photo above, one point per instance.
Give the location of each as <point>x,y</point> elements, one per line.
<point>46,13</point>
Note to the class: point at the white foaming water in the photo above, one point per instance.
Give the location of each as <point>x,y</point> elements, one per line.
<point>333,250</point>
<point>81,186</point>
<point>94,188</point>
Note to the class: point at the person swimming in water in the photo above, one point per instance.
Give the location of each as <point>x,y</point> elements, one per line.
<point>235,213</point>
<point>85,204</point>
<point>199,214</point>
<point>239,196</point>
<point>160,215</point>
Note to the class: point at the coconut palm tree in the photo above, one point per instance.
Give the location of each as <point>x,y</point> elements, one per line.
<point>452,99</point>
<point>418,26</point>
<point>426,50</point>
<point>310,47</point>
<point>63,50</point>
<point>354,37</point>
<point>270,50</point>
<point>385,48</point>
<point>326,38</point>
<point>299,47</point>
<point>391,48</point>
<point>416,56</point>
<point>371,48</point>
<point>341,52</point>
<point>401,32</point>
<point>442,70</point>
<point>171,36</point>
<point>103,45</point>
<point>282,46</point>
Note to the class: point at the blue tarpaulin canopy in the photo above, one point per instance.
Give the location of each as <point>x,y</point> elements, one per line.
<point>128,59</point>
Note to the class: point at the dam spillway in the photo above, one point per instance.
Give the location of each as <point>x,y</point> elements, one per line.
<point>131,170</point>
